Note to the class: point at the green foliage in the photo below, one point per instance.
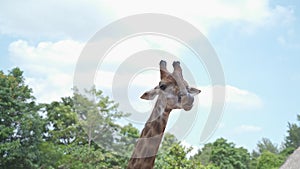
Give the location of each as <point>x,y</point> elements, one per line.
<point>98,115</point>
<point>168,139</point>
<point>72,134</point>
<point>50,154</point>
<point>287,151</point>
<point>226,156</point>
<point>172,155</point>
<point>268,160</point>
<point>51,135</point>
<point>293,137</point>
<point>253,163</point>
<point>63,134</point>
<point>266,145</point>
<point>203,155</point>
<point>129,136</point>
<point>20,127</point>
<point>174,158</point>
<point>89,157</point>
<point>62,125</point>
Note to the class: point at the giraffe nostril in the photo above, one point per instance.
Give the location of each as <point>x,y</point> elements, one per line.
<point>179,98</point>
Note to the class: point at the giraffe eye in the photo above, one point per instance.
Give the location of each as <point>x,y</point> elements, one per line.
<point>162,86</point>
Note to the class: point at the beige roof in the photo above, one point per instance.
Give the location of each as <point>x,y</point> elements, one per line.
<point>293,161</point>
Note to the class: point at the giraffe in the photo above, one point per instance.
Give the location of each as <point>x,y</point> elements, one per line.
<point>173,93</point>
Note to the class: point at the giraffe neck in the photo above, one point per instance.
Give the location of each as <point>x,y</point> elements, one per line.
<point>147,145</point>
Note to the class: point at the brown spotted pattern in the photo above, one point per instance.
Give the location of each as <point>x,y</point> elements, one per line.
<point>173,93</point>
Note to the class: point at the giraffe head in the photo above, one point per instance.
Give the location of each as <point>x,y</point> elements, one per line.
<point>173,91</point>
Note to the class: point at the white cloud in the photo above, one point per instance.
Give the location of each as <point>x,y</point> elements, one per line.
<point>282,15</point>
<point>247,129</point>
<point>48,66</point>
<point>81,19</point>
<point>52,19</point>
<point>49,71</point>
<point>204,14</point>
<point>242,98</point>
<point>235,97</point>
<point>62,54</point>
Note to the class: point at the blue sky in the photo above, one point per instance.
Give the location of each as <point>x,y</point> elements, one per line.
<point>257,41</point>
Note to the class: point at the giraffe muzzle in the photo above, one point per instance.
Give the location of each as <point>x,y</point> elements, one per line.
<point>187,102</point>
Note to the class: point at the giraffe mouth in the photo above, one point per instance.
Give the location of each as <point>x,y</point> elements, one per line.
<point>187,102</point>
<point>187,107</point>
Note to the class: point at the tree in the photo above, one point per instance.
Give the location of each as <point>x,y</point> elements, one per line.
<point>62,126</point>
<point>73,124</point>
<point>174,158</point>
<point>172,155</point>
<point>61,133</point>
<point>129,136</point>
<point>226,156</point>
<point>203,155</point>
<point>168,140</point>
<point>98,116</point>
<point>89,157</point>
<point>265,145</point>
<point>293,138</point>
<point>20,123</point>
<point>222,154</point>
<point>268,160</point>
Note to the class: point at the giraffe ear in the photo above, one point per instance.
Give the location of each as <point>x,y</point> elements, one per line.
<point>150,95</point>
<point>193,91</point>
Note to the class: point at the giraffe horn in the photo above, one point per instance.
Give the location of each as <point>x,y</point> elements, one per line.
<point>163,69</point>
<point>177,75</point>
